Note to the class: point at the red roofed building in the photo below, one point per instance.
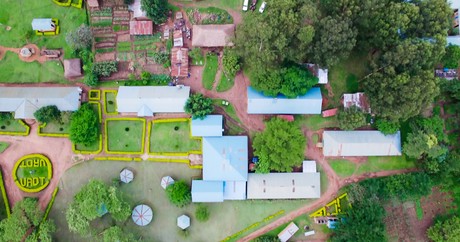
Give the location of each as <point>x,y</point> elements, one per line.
<point>358,99</point>
<point>330,112</point>
<point>179,62</point>
<point>140,27</point>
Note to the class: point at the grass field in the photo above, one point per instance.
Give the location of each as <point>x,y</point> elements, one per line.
<point>232,4</point>
<point>24,72</point>
<point>316,122</point>
<point>110,102</point>
<point>19,15</point>
<point>225,219</point>
<point>172,137</point>
<point>12,125</point>
<point>210,70</point>
<point>56,127</point>
<point>225,83</point>
<point>3,146</point>
<point>343,168</point>
<point>125,135</point>
<point>381,163</point>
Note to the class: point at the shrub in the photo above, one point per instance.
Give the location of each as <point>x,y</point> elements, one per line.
<point>230,62</point>
<point>202,213</point>
<point>91,80</point>
<point>387,127</point>
<point>351,118</point>
<point>179,194</point>
<point>199,106</point>
<point>5,116</point>
<point>81,38</point>
<point>145,76</point>
<point>127,2</point>
<point>47,114</point>
<point>104,68</point>
<point>84,126</point>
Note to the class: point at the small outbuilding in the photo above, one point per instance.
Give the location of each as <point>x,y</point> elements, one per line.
<point>183,221</point>
<point>72,68</point>
<point>43,24</point>
<point>126,176</point>
<point>142,215</point>
<point>288,232</point>
<point>179,62</point>
<point>166,181</point>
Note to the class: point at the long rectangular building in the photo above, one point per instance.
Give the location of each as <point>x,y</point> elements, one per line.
<point>24,101</point>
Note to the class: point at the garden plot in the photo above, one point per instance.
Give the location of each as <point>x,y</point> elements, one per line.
<point>172,137</point>
<point>125,135</point>
<point>210,15</point>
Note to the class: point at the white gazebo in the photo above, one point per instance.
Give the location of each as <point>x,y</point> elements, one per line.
<point>166,181</point>
<point>126,176</point>
<point>183,221</point>
<point>142,215</point>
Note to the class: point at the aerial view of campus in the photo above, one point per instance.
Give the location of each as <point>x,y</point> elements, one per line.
<point>229,120</point>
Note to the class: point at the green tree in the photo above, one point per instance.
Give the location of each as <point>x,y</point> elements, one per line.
<point>452,56</point>
<point>202,213</point>
<point>199,106</point>
<point>334,39</point>
<point>351,118</point>
<point>280,147</point>
<point>179,194</point>
<point>387,127</point>
<point>445,231</point>
<point>80,39</point>
<point>230,62</point>
<point>267,238</point>
<point>435,18</point>
<point>48,114</point>
<point>419,143</point>
<point>25,215</point>
<point>4,116</point>
<point>84,125</point>
<point>157,10</point>
<point>115,233</point>
<point>91,201</point>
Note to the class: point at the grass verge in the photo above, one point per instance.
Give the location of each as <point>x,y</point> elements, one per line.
<point>343,168</point>
<point>210,70</point>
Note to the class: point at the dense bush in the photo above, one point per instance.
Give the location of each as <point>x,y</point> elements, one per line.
<point>351,118</point>
<point>157,10</point>
<point>48,114</point>
<point>84,125</point>
<point>5,116</point>
<point>179,194</point>
<point>160,57</point>
<point>81,38</point>
<point>387,127</point>
<point>202,213</point>
<point>105,68</point>
<point>452,56</point>
<point>230,62</point>
<point>195,53</point>
<point>445,230</point>
<point>267,238</point>
<point>199,106</point>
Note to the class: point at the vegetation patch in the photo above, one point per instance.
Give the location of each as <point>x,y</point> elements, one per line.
<point>316,122</point>
<point>210,70</point>
<point>13,126</point>
<point>210,15</point>
<point>32,173</point>
<point>110,101</point>
<point>226,83</point>
<point>3,146</point>
<point>343,168</point>
<point>170,137</point>
<point>386,163</point>
<point>125,135</point>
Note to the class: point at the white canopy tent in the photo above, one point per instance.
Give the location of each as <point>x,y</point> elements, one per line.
<point>126,176</point>
<point>183,221</point>
<point>142,215</point>
<point>166,181</point>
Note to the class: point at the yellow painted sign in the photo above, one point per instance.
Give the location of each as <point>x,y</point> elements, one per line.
<point>32,173</point>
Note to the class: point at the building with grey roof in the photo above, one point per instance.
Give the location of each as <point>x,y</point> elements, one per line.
<point>361,143</point>
<point>211,125</point>
<point>145,101</point>
<point>310,103</point>
<point>24,101</point>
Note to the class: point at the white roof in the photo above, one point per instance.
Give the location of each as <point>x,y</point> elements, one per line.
<point>142,215</point>
<point>136,7</point>
<point>361,143</point>
<point>166,181</point>
<point>148,100</point>
<point>322,76</point>
<point>284,185</point>
<point>183,221</point>
<point>42,24</point>
<point>24,101</point>
<point>211,125</point>
<point>288,232</point>
<point>308,166</point>
<point>126,176</point>
<point>234,190</point>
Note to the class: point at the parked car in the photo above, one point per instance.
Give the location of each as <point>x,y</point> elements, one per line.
<point>262,7</point>
<point>245,5</point>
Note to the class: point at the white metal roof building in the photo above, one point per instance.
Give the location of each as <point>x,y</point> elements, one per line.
<point>145,101</point>
<point>43,24</point>
<point>207,191</point>
<point>288,232</point>
<point>308,166</point>
<point>211,125</point>
<point>284,185</point>
<point>361,143</point>
<point>24,101</point>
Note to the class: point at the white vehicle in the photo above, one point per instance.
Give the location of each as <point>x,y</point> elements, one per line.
<point>262,7</point>
<point>245,5</point>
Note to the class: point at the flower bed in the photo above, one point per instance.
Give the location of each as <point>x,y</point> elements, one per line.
<point>124,135</point>
<point>32,173</point>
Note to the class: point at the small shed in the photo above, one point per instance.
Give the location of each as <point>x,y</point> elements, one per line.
<point>309,166</point>
<point>142,215</point>
<point>358,100</point>
<point>166,181</point>
<point>72,68</point>
<point>126,176</point>
<point>288,232</point>
<point>43,24</point>
<point>330,112</point>
<point>179,62</point>
<point>183,221</point>
<point>140,27</point>
<point>92,3</point>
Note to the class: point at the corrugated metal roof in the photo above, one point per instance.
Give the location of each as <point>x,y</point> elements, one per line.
<point>42,24</point>
<point>308,166</point>
<point>211,125</point>
<point>161,99</point>
<point>225,158</point>
<point>24,101</point>
<point>288,232</point>
<point>140,27</point>
<point>284,185</point>
<point>213,35</point>
<point>361,143</point>
<point>179,62</point>
<point>322,76</point>
<point>207,191</point>
<point>310,103</point>
<point>234,190</point>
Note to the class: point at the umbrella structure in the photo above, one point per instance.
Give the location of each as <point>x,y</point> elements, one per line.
<point>183,221</point>
<point>166,181</point>
<point>126,176</point>
<point>142,215</point>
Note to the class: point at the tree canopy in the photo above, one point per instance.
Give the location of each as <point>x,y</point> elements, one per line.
<point>179,194</point>
<point>279,147</point>
<point>47,114</point>
<point>351,118</point>
<point>387,127</point>
<point>91,202</point>
<point>115,233</point>
<point>84,125</point>
<point>445,230</point>
<point>199,106</point>
<point>452,57</point>
<point>157,10</point>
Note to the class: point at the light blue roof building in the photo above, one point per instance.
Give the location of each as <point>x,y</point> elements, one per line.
<point>211,125</point>
<point>207,191</point>
<point>43,24</point>
<point>310,103</point>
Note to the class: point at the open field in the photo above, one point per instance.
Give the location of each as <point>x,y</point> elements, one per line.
<point>172,137</point>
<point>125,135</point>
<point>225,218</point>
<point>388,163</point>
<point>316,122</point>
<point>19,15</point>
<point>343,168</point>
<point>232,4</point>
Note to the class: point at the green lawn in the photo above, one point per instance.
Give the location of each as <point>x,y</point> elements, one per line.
<point>198,60</point>
<point>323,179</point>
<point>29,72</point>
<point>226,218</point>
<point>343,168</point>
<point>232,4</point>
<point>384,163</point>
<point>172,137</point>
<point>12,125</point>
<point>111,102</point>
<point>125,135</point>
<point>93,147</point>
<point>225,83</point>
<point>210,70</point>
<point>56,127</point>
<point>316,122</point>
<point>3,146</point>
<point>229,109</point>
<point>418,209</point>
<point>19,15</point>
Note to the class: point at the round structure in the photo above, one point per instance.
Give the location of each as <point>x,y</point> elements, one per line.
<point>126,176</point>
<point>32,173</point>
<point>142,215</point>
<point>25,52</point>
<point>166,181</point>
<point>183,221</point>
